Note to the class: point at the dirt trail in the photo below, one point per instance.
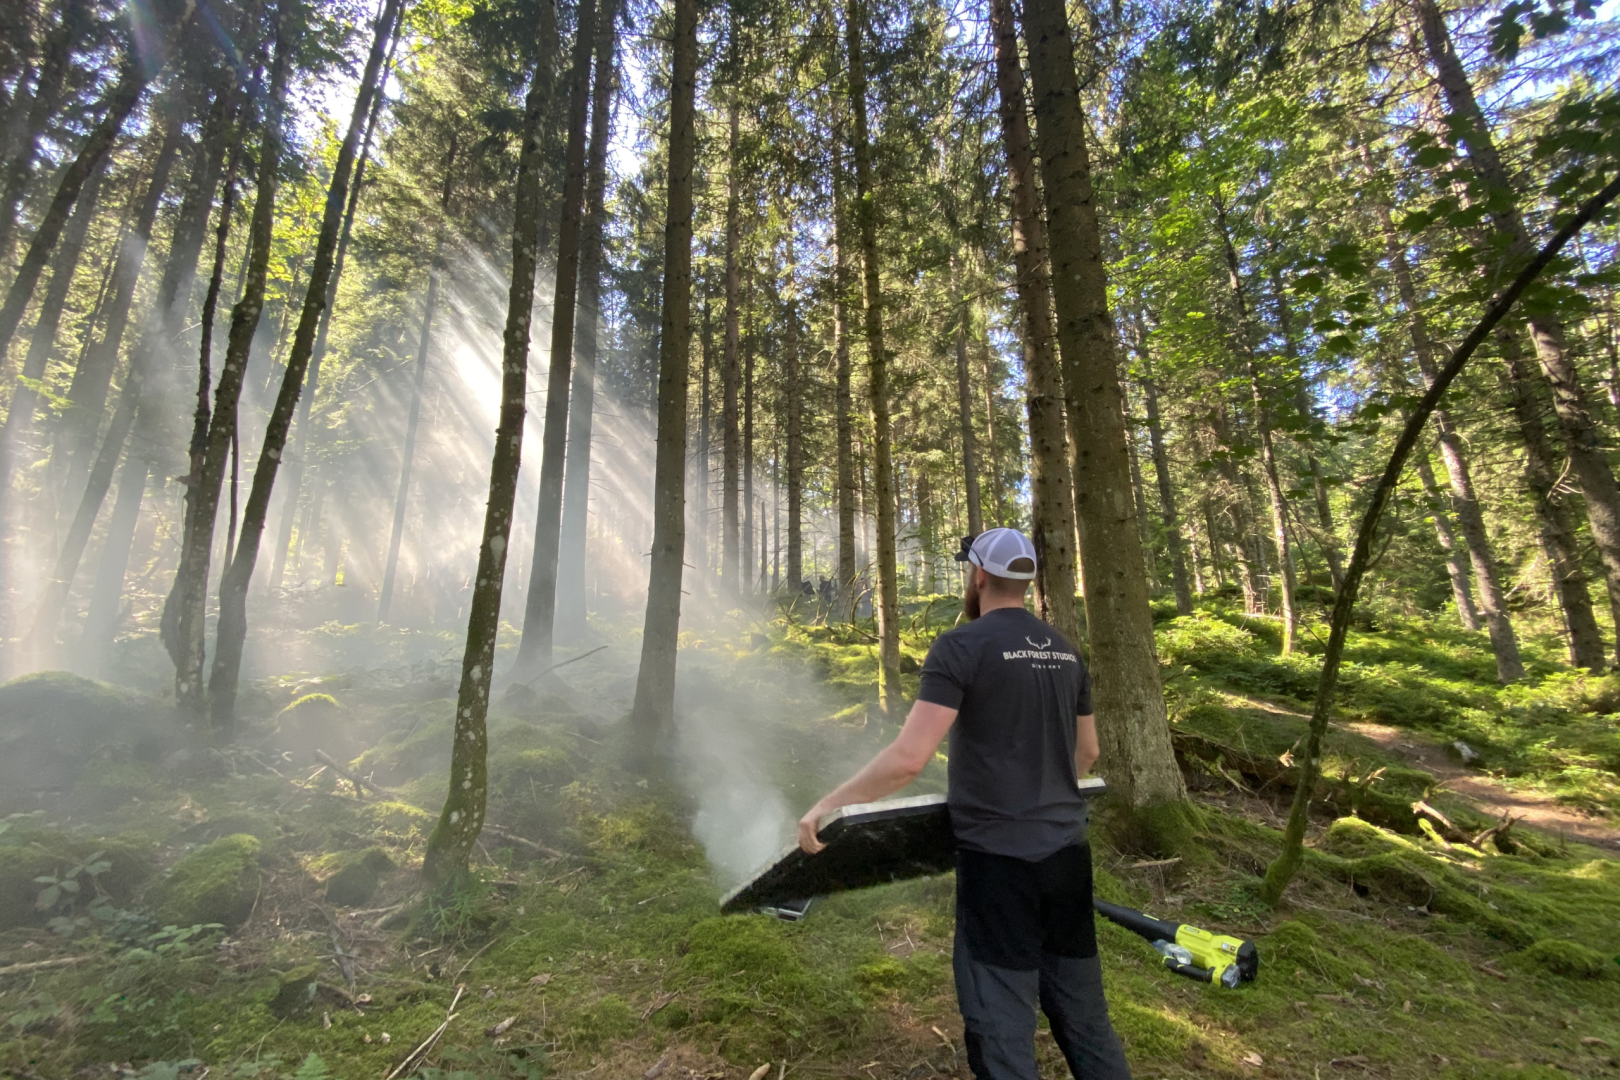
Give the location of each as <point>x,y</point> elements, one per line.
<point>1533,808</point>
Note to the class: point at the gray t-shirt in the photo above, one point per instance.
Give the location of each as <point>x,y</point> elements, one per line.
<point>1018,686</point>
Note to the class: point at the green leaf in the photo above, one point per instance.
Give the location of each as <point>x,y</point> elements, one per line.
<point>1344,259</point>
<point>313,1068</point>
<point>47,898</point>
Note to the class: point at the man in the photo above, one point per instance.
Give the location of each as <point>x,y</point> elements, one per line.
<point>1016,699</point>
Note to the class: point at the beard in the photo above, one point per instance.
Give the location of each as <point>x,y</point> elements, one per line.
<point>970,600</point>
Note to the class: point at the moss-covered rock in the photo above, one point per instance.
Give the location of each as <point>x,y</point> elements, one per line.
<point>357,880</point>
<point>313,722</point>
<point>1568,959</point>
<point>38,853</point>
<point>214,884</point>
<point>53,723</point>
<point>296,990</point>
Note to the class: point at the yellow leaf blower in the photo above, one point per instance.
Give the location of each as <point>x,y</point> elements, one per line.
<point>1198,954</point>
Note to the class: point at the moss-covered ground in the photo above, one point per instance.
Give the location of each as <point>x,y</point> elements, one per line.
<point>586,941</point>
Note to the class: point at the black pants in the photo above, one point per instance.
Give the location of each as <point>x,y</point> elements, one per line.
<point>1025,937</point>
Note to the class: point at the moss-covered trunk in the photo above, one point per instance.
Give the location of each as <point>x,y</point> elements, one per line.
<point>1136,753</point>
<point>462,817</point>
<point>654,708</point>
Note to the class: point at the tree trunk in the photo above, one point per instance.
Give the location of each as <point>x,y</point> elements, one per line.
<point>293,485</point>
<point>1139,498</point>
<point>540,609</point>
<point>843,397</point>
<point>43,102</point>
<point>1051,485</point>
<point>730,537</point>
<point>701,460</point>
<point>233,589</point>
<point>748,457</point>
<point>582,395</point>
<point>1246,333</point>
<point>24,395</point>
<point>49,613</point>
<point>94,657</point>
<point>462,817</point>
<point>1584,442</point>
<point>794,391</point>
<point>407,452</point>
<point>120,102</point>
<point>93,377</point>
<point>1492,603</point>
<point>1282,869</point>
<point>877,367</point>
<point>654,710</point>
<point>964,410</point>
<point>1167,493</point>
<point>992,430</point>
<point>407,456</point>
<point>1542,474</point>
<point>163,327</point>
<point>1324,510</point>
<point>186,607</point>
<point>1440,509</point>
<point>1137,757</point>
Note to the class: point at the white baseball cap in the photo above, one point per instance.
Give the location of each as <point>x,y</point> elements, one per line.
<point>996,549</point>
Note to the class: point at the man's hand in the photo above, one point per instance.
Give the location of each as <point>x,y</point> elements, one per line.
<point>807,830</point>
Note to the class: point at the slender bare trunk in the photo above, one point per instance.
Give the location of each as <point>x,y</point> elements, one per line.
<point>186,607</point>
<point>964,410</point>
<point>407,453</point>
<point>1583,441</point>
<point>1137,757</point>
<point>292,485</point>
<point>843,396</point>
<point>44,98</point>
<point>992,430</point>
<point>233,589</point>
<point>748,460</point>
<point>163,327</point>
<point>1440,509</point>
<point>1464,504</point>
<point>582,396</point>
<point>120,102</point>
<point>25,395</point>
<point>877,367</point>
<point>1167,493</point>
<point>794,392</point>
<point>1051,483</point>
<point>540,609</point>
<point>654,710</point>
<point>93,376</point>
<point>1245,338</point>
<point>462,817</point>
<point>730,538</point>
<point>1570,583</point>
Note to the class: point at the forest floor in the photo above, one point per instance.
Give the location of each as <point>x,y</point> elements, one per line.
<point>248,913</point>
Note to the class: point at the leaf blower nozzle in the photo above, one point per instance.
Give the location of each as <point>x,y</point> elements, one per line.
<point>1187,950</point>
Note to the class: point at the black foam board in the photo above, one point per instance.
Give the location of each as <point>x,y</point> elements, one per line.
<point>867,844</point>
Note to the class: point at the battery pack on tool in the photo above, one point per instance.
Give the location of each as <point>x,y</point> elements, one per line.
<point>1189,950</point>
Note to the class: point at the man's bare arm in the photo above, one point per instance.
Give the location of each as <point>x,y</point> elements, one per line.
<point>1086,750</point>
<point>895,766</point>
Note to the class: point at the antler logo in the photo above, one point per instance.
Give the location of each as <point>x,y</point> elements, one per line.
<point>1040,645</point>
